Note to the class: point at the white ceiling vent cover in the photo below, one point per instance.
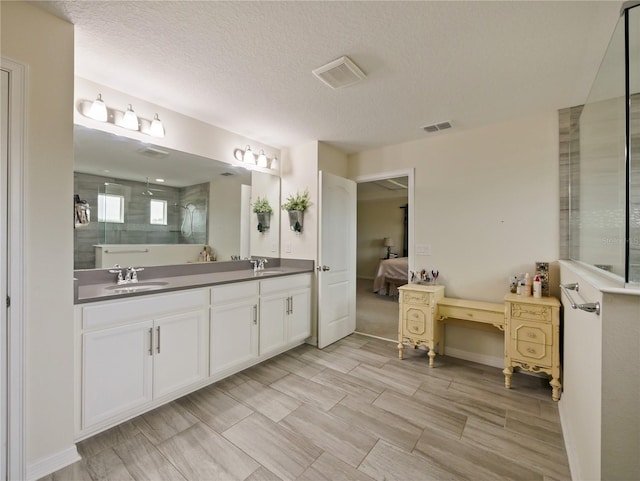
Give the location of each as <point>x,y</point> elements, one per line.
<point>339,73</point>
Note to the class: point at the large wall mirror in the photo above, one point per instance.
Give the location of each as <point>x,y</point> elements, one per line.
<point>151,205</point>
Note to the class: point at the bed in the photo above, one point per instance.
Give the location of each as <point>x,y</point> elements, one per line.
<point>395,268</point>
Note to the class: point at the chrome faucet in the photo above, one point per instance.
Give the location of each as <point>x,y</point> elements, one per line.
<point>261,264</point>
<point>255,265</point>
<point>116,270</point>
<point>132,274</point>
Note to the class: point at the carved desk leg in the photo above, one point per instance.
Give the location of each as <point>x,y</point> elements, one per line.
<point>555,385</point>
<point>401,350</point>
<point>508,372</point>
<point>432,356</point>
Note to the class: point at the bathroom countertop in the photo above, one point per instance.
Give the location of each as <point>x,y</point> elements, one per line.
<point>107,291</point>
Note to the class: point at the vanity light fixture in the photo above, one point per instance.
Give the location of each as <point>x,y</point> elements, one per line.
<point>130,120</point>
<point>156,129</point>
<point>248,157</point>
<point>98,110</point>
<point>262,160</point>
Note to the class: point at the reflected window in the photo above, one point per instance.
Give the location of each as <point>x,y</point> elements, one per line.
<point>158,212</point>
<point>111,208</point>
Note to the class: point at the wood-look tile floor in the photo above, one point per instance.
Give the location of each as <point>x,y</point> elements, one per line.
<point>352,411</point>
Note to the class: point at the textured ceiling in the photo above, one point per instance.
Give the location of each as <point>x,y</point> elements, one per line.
<point>246,66</point>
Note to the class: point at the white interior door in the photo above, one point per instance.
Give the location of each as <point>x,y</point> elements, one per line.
<point>336,259</point>
<point>4,278</point>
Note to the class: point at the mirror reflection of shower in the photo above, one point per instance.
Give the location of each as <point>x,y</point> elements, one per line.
<point>186,229</point>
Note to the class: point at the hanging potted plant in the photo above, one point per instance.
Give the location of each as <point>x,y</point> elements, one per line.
<point>262,208</point>
<point>296,205</point>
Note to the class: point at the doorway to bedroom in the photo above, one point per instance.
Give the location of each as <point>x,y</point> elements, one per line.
<point>383,243</point>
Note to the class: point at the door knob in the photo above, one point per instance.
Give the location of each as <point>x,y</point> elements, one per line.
<point>323,268</point>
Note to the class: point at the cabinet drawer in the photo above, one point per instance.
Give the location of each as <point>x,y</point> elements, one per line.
<point>415,322</point>
<point>535,332</point>
<point>233,292</point>
<point>477,315</point>
<point>416,297</point>
<point>530,312</point>
<point>539,354</point>
<point>285,283</point>
<point>148,307</point>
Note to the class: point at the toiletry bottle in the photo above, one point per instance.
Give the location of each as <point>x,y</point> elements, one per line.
<point>527,285</point>
<point>537,287</point>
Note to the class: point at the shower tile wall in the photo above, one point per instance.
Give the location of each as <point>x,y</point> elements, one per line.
<point>569,167</point>
<point>198,196</point>
<point>136,229</point>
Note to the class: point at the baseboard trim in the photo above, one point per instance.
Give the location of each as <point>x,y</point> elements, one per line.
<point>475,357</point>
<point>569,445</point>
<point>43,467</point>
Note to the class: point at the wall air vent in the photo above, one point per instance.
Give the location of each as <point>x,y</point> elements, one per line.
<point>437,127</point>
<point>339,73</point>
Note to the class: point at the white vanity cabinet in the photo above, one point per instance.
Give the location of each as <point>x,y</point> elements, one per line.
<point>234,327</point>
<point>285,312</point>
<point>135,351</point>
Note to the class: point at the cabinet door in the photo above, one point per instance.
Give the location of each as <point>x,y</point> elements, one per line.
<point>234,334</point>
<point>273,323</point>
<point>181,354</point>
<point>117,369</point>
<point>299,319</point>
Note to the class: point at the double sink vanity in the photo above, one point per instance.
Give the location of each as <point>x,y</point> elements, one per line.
<point>177,329</point>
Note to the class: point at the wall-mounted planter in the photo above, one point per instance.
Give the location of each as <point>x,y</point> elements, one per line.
<point>264,221</point>
<point>296,219</point>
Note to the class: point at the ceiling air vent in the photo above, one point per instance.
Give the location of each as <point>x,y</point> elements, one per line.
<point>339,73</point>
<point>437,127</point>
<point>153,153</point>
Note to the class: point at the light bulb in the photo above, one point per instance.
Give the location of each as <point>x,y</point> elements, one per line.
<point>262,159</point>
<point>156,129</point>
<point>248,157</point>
<point>130,120</point>
<point>98,110</point>
<point>274,163</point>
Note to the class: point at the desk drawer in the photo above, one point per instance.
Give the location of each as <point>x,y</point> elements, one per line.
<point>538,354</point>
<point>416,322</point>
<point>476,315</point>
<point>530,312</point>
<point>535,332</point>
<point>416,297</point>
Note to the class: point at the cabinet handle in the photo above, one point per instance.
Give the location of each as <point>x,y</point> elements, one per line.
<point>531,351</point>
<point>255,313</point>
<point>158,330</point>
<point>287,306</point>
<point>291,304</point>
<point>151,341</point>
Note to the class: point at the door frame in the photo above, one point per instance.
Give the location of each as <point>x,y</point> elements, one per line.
<point>16,238</point>
<point>391,174</point>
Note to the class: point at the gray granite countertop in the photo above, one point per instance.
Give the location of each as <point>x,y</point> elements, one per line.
<point>98,285</point>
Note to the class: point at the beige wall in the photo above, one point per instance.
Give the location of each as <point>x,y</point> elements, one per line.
<point>45,44</point>
<point>299,170</point>
<point>377,219</point>
<point>486,201</point>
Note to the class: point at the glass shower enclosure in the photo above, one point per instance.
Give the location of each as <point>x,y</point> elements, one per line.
<point>604,211</point>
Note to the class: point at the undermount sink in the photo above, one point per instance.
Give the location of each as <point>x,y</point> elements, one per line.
<point>136,287</point>
<point>269,271</point>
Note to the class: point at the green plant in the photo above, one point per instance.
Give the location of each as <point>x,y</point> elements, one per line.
<point>297,202</point>
<point>262,205</point>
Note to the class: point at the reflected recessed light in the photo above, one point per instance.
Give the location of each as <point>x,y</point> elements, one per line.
<point>159,180</point>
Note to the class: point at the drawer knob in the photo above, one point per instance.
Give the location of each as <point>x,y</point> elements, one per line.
<point>532,335</point>
<point>530,350</point>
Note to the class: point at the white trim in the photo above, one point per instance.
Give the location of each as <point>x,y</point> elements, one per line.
<point>390,174</point>
<point>50,464</point>
<point>16,464</point>
<point>475,357</point>
<point>569,444</point>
